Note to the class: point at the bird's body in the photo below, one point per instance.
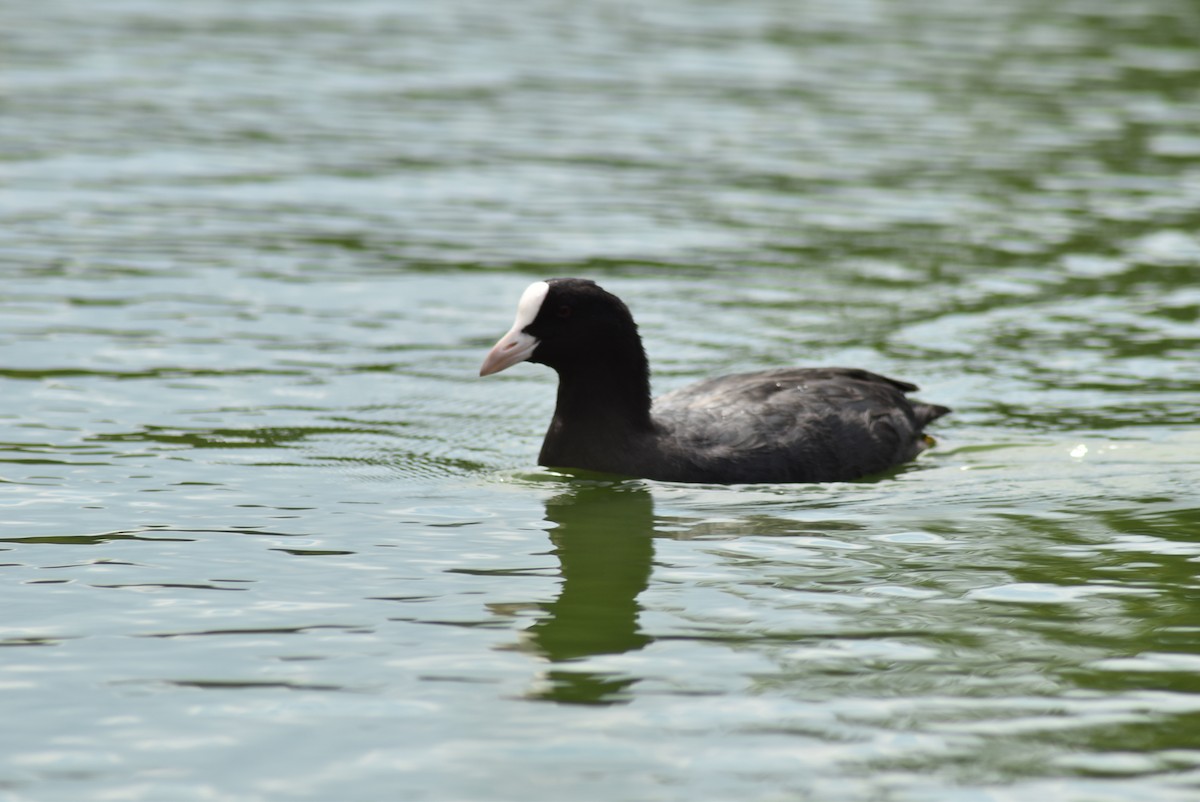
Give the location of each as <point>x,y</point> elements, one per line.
<point>785,425</point>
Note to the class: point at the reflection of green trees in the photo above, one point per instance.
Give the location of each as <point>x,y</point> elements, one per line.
<point>1143,642</point>
<point>103,537</point>
<point>603,543</point>
<point>259,437</point>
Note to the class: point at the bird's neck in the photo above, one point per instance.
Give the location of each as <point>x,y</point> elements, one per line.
<point>602,406</point>
<point>598,395</point>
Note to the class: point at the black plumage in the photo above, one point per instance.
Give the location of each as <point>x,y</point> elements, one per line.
<point>786,425</point>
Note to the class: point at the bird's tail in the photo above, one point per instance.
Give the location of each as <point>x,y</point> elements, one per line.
<point>929,412</point>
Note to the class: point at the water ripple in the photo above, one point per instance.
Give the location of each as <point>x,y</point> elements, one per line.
<point>254,254</point>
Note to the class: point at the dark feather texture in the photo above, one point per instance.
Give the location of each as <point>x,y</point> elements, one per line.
<point>788,425</point>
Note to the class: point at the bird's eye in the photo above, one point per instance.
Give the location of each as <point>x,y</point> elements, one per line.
<point>563,311</point>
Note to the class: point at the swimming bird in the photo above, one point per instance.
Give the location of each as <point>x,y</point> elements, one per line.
<point>783,425</point>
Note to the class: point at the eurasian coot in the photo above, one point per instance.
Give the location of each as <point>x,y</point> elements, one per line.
<point>786,425</point>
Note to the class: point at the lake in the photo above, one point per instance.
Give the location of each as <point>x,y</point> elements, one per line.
<point>265,534</point>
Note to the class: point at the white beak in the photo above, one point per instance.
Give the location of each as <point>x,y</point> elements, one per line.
<point>514,347</point>
<point>517,346</point>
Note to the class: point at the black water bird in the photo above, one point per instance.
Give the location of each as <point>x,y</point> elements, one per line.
<point>785,425</point>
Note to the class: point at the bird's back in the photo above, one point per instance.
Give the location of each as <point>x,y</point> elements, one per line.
<point>789,425</point>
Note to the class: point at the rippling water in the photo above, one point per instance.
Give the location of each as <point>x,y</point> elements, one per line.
<point>264,535</point>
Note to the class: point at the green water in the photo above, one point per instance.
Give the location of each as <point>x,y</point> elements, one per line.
<point>264,535</point>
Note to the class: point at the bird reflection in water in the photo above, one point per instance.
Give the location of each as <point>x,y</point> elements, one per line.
<point>602,540</point>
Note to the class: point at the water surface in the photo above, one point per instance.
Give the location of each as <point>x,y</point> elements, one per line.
<point>264,535</point>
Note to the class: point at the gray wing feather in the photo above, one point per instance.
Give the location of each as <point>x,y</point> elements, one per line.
<point>795,422</point>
